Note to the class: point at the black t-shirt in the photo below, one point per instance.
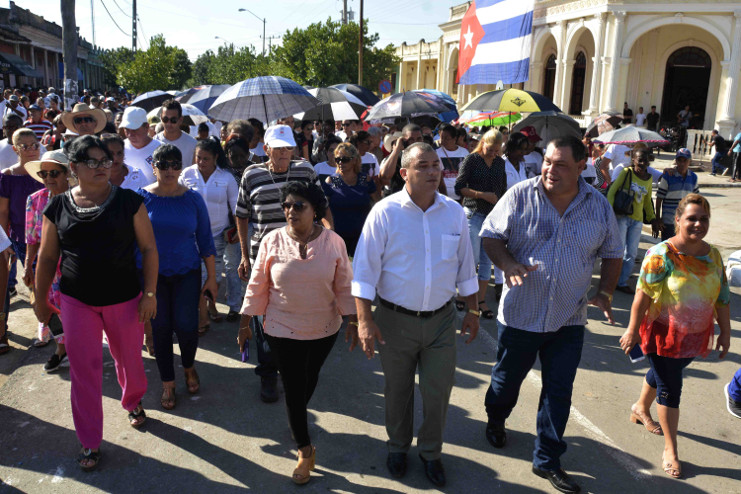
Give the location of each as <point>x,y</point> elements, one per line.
<point>719,144</point>
<point>628,115</point>
<point>98,247</point>
<point>652,121</point>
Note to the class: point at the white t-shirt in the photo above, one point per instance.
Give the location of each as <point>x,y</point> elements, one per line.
<point>325,169</point>
<point>185,143</point>
<point>135,179</point>
<point>8,157</point>
<point>8,111</point>
<point>369,164</point>
<point>640,119</point>
<point>655,174</point>
<point>141,158</point>
<point>514,176</point>
<point>619,154</point>
<point>450,162</point>
<point>589,170</point>
<point>533,164</point>
<point>259,152</point>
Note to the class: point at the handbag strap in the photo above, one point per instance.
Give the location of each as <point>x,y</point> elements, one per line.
<point>630,180</point>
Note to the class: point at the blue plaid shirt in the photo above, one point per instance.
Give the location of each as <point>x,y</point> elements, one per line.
<point>564,248</point>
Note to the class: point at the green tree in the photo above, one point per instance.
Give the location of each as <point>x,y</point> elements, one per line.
<point>323,54</point>
<point>113,60</point>
<point>159,67</point>
<point>228,65</point>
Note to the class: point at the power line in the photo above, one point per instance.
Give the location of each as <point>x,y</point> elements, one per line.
<point>141,28</point>
<point>122,10</point>
<point>112,19</point>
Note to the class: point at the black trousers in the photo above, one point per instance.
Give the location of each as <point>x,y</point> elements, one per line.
<point>299,363</point>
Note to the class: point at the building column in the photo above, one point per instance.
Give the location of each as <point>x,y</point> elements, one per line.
<point>419,65</point>
<point>727,121</point>
<point>596,67</point>
<point>536,74</point>
<point>559,64</point>
<point>46,68</point>
<point>613,82</point>
<point>568,76</point>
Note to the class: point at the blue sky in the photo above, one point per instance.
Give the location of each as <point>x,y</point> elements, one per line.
<point>187,24</point>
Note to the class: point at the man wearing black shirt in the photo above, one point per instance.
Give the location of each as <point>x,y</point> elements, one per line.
<point>652,120</point>
<point>717,141</point>
<point>627,114</point>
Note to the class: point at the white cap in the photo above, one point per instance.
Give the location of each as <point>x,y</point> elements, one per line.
<point>278,136</point>
<point>133,118</point>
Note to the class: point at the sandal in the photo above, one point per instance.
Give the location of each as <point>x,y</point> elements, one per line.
<point>168,396</point>
<point>646,421</point>
<point>672,470</point>
<point>488,313</point>
<point>192,380</point>
<point>460,305</point>
<point>302,472</point>
<point>137,418</point>
<point>204,329</point>
<point>88,455</point>
<point>215,316</point>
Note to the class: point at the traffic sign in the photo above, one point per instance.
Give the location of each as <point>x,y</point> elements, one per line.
<point>384,87</point>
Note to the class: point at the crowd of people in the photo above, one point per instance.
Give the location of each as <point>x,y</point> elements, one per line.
<point>390,228</point>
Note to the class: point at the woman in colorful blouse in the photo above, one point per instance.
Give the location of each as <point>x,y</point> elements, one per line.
<point>52,170</point>
<point>681,289</point>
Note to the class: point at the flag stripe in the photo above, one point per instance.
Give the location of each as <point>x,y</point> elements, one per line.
<point>502,10</point>
<point>515,27</point>
<point>508,50</point>
<point>510,71</point>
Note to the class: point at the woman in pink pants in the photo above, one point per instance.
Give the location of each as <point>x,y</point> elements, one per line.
<point>95,227</point>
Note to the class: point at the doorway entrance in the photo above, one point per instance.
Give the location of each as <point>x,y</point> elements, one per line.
<point>577,84</point>
<point>686,82</point>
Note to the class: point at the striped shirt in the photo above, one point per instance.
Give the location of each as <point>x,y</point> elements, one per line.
<point>671,190</point>
<point>563,247</point>
<point>38,128</point>
<point>259,198</point>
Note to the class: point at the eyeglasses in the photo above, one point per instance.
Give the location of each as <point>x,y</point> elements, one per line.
<point>297,206</point>
<point>164,165</point>
<point>50,173</point>
<point>79,120</point>
<point>26,147</point>
<point>344,159</point>
<point>170,120</point>
<point>94,164</point>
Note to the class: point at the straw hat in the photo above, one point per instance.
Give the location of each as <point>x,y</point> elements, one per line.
<point>388,141</point>
<point>57,157</point>
<point>80,110</point>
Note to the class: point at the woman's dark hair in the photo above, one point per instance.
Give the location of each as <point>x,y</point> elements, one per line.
<point>359,136</point>
<point>309,191</point>
<point>239,142</point>
<point>461,132</point>
<point>203,126</point>
<point>107,139</point>
<point>77,149</point>
<point>332,139</point>
<point>214,147</point>
<point>515,142</point>
<point>167,152</point>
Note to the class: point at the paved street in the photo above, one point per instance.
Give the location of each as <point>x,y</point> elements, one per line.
<point>226,440</point>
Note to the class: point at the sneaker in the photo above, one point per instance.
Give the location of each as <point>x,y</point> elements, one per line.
<point>712,174</point>
<point>55,362</point>
<point>233,316</point>
<point>734,407</point>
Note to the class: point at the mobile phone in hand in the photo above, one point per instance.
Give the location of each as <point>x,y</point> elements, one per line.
<point>246,351</point>
<point>636,354</point>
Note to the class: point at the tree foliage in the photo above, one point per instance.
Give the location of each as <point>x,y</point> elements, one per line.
<point>114,59</point>
<point>228,66</point>
<point>159,67</point>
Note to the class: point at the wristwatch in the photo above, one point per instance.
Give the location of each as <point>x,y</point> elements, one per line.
<point>475,312</point>
<point>608,295</point>
<point>150,294</point>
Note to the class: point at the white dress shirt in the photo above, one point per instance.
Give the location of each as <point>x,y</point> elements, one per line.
<point>135,179</point>
<point>220,193</point>
<point>414,258</point>
<point>514,176</point>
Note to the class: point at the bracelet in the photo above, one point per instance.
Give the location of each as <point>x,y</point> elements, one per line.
<point>475,312</point>
<point>608,295</point>
<point>244,327</point>
<point>353,323</point>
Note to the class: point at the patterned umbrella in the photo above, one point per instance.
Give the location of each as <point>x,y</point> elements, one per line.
<point>407,104</point>
<point>265,98</point>
<point>492,119</point>
<point>202,97</point>
<point>449,115</point>
<point>512,100</point>
<point>362,93</point>
<point>631,135</point>
<point>334,104</point>
<point>151,100</point>
<point>604,123</point>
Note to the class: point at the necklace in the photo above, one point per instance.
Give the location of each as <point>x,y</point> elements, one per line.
<point>303,244</point>
<point>288,174</point>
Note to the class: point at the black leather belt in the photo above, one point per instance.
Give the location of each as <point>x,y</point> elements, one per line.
<point>416,313</point>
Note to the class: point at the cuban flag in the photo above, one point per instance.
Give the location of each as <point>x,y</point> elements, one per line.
<point>496,36</point>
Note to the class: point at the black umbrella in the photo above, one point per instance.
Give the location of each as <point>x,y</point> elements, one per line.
<point>151,100</point>
<point>604,123</point>
<point>335,105</point>
<point>362,93</point>
<point>407,104</point>
<point>202,97</point>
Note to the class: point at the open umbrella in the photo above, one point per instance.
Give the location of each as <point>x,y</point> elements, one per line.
<point>550,125</point>
<point>604,123</point>
<point>151,100</point>
<point>407,104</point>
<point>190,112</point>
<point>449,115</point>
<point>334,105</point>
<point>632,135</point>
<point>362,93</point>
<point>265,98</point>
<point>512,100</point>
<point>491,118</point>
<point>202,97</point>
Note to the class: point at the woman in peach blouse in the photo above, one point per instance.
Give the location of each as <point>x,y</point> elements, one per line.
<point>301,283</point>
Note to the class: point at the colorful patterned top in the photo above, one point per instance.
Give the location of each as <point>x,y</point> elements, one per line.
<point>685,292</point>
<point>35,205</point>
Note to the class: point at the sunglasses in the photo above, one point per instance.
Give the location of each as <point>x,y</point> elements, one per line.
<point>170,120</point>
<point>50,173</point>
<point>344,159</point>
<point>285,148</point>
<point>79,120</point>
<point>164,165</point>
<point>297,206</point>
<point>93,164</point>
<point>26,147</point>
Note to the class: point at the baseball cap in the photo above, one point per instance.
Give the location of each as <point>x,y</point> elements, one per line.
<point>134,117</point>
<point>13,97</point>
<point>34,107</point>
<point>277,136</point>
<point>530,133</point>
<point>110,98</point>
<point>684,153</point>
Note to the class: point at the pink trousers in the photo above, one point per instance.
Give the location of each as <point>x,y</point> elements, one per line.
<point>83,332</point>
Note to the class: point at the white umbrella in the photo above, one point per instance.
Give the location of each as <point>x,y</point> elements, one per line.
<point>632,135</point>
<point>336,104</point>
<point>196,115</point>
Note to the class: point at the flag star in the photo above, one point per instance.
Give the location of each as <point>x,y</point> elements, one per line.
<point>469,38</point>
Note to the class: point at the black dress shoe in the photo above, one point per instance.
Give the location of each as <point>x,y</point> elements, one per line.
<point>269,389</point>
<point>397,464</point>
<point>496,435</point>
<point>559,479</point>
<point>434,471</point>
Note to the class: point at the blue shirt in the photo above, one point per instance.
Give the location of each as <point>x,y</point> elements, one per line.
<point>672,189</point>
<point>737,149</point>
<point>182,230</point>
<point>564,248</point>
<point>350,205</point>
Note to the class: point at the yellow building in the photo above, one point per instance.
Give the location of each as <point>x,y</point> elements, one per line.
<point>590,56</point>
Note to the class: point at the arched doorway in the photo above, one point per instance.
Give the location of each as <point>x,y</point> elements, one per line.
<point>549,77</point>
<point>577,84</point>
<point>686,82</point>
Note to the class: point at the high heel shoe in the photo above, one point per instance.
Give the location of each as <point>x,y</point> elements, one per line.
<point>192,380</point>
<point>302,473</point>
<point>647,422</point>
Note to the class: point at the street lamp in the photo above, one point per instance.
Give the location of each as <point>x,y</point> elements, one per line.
<point>263,27</point>
<point>223,39</point>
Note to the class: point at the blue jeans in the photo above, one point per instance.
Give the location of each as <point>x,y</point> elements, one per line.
<point>665,376</point>
<point>630,232</point>
<point>560,353</point>
<point>235,287</point>
<point>734,389</point>
<point>717,167</point>
<point>475,220</point>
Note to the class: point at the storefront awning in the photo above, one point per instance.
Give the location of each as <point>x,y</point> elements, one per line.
<point>13,64</point>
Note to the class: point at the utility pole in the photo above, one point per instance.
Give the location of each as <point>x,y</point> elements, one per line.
<point>69,53</point>
<point>344,12</point>
<point>133,26</point>
<point>92,18</point>
<point>270,42</point>
<point>360,47</point>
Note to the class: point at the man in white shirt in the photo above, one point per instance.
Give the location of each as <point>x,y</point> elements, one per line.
<point>8,157</point>
<point>172,118</point>
<point>533,160</point>
<point>640,118</point>
<point>138,146</point>
<point>15,107</point>
<point>451,155</point>
<point>414,252</point>
<point>616,155</point>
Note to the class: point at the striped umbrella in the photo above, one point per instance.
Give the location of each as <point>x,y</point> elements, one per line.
<point>202,97</point>
<point>265,98</point>
<point>334,105</point>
